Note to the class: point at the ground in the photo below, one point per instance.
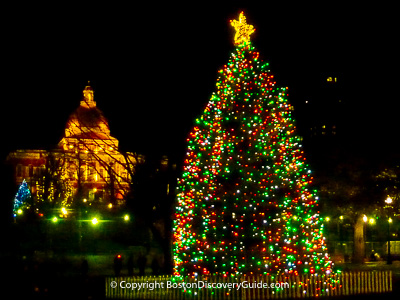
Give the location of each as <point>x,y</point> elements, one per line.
<point>63,277</point>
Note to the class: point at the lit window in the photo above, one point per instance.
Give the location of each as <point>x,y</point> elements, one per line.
<point>331,79</point>
<point>19,170</point>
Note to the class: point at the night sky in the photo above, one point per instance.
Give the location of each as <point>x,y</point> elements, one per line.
<point>153,67</point>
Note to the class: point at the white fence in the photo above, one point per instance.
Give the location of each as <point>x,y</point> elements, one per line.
<point>249,287</point>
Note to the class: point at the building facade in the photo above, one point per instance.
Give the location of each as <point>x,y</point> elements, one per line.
<point>86,166</point>
<point>324,109</point>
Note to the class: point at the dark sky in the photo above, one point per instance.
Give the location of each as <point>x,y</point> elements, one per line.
<point>153,67</point>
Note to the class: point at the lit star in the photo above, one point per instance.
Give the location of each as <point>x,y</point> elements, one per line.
<point>243,30</point>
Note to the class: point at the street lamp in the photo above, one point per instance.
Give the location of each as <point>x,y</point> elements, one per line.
<point>365,220</point>
<point>388,201</point>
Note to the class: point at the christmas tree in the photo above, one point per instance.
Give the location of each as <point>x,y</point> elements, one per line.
<point>21,198</point>
<point>245,203</point>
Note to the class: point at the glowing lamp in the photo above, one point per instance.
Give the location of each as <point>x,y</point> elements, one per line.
<point>389,200</point>
<point>64,211</point>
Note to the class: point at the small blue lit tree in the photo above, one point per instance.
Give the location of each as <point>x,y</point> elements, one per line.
<point>21,199</point>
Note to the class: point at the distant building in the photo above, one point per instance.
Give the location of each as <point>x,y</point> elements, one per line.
<point>86,166</point>
<point>324,108</point>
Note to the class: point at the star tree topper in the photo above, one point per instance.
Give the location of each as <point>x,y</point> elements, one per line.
<point>243,30</point>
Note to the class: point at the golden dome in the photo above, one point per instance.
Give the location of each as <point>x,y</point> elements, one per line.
<point>87,121</point>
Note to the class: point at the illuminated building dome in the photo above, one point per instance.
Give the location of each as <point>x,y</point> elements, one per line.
<point>93,151</point>
<point>87,121</point>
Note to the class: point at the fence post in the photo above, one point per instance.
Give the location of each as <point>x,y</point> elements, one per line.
<point>298,288</point>
<point>289,280</point>
<point>267,277</point>
<point>328,282</point>
<point>336,284</point>
<point>374,275</point>
<point>174,294</point>
<point>307,284</point>
<point>205,290</point>
<point>281,286</point>
<point>168,292</point>
<point>385,279</point>
<point>358,286</point>
<point>349,283</point>
<point>278,290</point>
<point>285,290</point>
<point>355,282</point>
<point>242,290</point>
<point>370,285</point>
<point>143,294</point>
<point>256,291</point>
<point>311,285</point>
<point>362,282</point>
<point>224,280</point>
<point>318,286</point>
<point>301,286</point>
